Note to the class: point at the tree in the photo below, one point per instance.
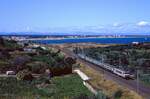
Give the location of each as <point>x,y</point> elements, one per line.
<point>70,61</point>
<point>2,41</point>
<point>37,67</point>
<point>59,57</point>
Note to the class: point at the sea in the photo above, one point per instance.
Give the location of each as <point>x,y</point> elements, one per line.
<point>95,40</point>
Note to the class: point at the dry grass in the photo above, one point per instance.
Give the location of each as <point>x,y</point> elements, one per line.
<point>107,86</point>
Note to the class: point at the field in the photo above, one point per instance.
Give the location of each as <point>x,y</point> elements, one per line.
<point>60,88</point>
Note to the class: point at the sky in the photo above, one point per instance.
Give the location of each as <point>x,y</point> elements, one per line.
<point>100,16</point>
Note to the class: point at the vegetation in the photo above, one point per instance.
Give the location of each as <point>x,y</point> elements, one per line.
<point>145,78</point>
<point>118,94</point>
<point>35,62</point>
<point>24,75</point>
<point>32,81</point>
<point>3,65</point>
<point>66,87</point>
<point>11,88</point>
<point>37,67</point>
<point>128,57</point>
<point>121,55</point>
<point>109,88</point>
<point>8,45</point>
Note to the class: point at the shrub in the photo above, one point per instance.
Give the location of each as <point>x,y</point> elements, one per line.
<point>85,96</point>
<point>20,62</point>
<point>82,96</point>
<point>59,57</point>
<point>70,61</point>
<point>24,75</point>
<point>11,44</point>
<point>4,66</point>
<point>58,71</point>
<point>43,58</point>
<point>100,95</point>
<point>118,94</point>
<point>37,67</point>
<point>4,55</point>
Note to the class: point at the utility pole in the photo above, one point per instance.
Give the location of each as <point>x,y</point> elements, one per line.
<point>102,56</point>
<point>102,63</point>
<point>82,48</point>
<point>120,61</point>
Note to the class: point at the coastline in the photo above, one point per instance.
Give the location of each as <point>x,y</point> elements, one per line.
<point>91,40</point>
<point>33,39</point>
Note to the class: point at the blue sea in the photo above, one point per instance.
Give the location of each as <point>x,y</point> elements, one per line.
<point>95,40</point>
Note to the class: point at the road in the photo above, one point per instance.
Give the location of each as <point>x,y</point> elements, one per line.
<point>131,84</point>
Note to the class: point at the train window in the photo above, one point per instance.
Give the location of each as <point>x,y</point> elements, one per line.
<point>127,74</point>
<point>119,71</point>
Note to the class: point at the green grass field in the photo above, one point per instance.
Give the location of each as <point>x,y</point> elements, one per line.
<point>64,87</point>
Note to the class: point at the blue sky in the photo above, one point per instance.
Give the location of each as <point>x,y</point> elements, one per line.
<point>102,16</point>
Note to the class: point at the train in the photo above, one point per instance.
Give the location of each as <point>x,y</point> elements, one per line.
<point>122,73</point>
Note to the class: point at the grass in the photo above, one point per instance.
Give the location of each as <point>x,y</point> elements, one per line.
<point>10,87</point>
<point>60,88</point>
<point>70,85</point>
<point>109,87</point>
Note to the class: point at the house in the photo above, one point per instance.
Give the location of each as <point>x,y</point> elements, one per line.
<point>35,45</point>
<point>44,48</point>
<point>29,50</point>
<point>135,43</point>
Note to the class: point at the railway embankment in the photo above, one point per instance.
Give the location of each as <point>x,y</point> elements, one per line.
<point>108,87</point>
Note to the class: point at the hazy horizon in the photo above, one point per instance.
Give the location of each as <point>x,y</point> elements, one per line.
<point>76,16</point>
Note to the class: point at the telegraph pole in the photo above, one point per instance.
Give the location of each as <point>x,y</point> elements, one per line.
<point>120,61</point>
<point>102,58</point>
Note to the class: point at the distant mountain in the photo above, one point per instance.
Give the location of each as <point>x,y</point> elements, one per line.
<point>22,33</point>
<point>69,33</point>
<point>48,33</point>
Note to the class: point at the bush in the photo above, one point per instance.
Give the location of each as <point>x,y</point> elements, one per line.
<point>85,96</point>
<point>145,78</point>
<point>70,61</point>
<point>4,55</point>
<point>118,94</point>
<point>3,63</point>
<point>20,62</point>
<point>11,44</point>
<point>82,96</point>
<point>24,75</point>
<point>58,71</point>
<point>43,58</point>
<point>100,95</point>
<point>59,57</point>
<point>4,66</point>
<point>37,67</point>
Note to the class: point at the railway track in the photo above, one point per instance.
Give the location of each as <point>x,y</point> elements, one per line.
<point>131,84</point>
